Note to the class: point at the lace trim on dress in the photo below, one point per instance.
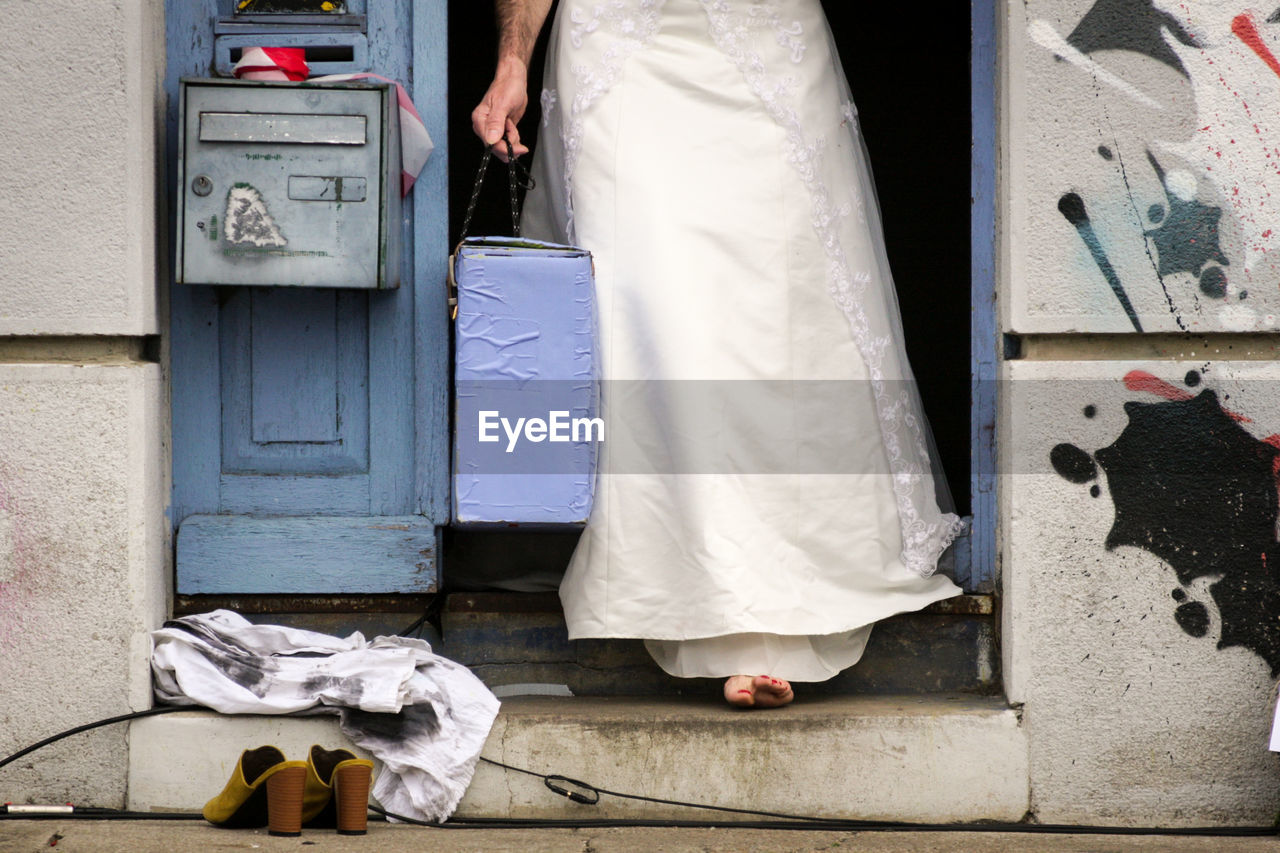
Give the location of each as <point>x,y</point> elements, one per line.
<point>634,25</point>
<point>923,540</point>
<point>548,101</point>
<point>850,113</point>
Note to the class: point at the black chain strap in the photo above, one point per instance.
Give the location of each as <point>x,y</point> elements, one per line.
<point>512,166</point>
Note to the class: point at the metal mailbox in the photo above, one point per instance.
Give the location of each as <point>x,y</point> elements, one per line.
<point>289,184</point>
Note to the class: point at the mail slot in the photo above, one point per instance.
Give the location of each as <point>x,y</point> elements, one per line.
<point>283,128</point>
<point>289,184</point>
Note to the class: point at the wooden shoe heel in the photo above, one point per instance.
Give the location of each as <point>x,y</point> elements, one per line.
<point>351,791</point>
<point>284,801</point>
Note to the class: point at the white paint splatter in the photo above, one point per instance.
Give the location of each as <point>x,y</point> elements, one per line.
<point>1181,183</point>
<point>1043,33</point>
<point>248,221</point>
<point>1237,318</point>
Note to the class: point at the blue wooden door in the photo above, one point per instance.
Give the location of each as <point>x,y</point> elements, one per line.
<point>309,425</point>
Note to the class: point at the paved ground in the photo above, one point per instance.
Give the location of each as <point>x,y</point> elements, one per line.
<point>75,836</point>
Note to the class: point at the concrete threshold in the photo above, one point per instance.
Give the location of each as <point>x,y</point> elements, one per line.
<point>935,759</point>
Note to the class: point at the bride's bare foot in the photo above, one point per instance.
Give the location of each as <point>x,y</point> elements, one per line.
<point>759,691</point>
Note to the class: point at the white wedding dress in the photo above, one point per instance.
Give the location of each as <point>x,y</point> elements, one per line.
<point>707,153</point>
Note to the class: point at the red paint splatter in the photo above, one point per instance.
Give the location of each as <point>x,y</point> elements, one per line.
<point>1245,30</point>
<point>1141,380</point>
<point>1274,441</point>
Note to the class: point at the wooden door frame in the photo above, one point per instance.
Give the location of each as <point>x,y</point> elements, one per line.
<point>984,328</point>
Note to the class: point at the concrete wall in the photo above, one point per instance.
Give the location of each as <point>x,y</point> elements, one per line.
<point>1139,502</point>
<point>83,566</point>
<point>81,100</point>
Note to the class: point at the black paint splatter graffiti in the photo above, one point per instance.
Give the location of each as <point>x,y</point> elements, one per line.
<point>1194,488</point>
<point>1071,206</point>
<point>1184,232</point>
<point>1073,463</point>
<point>1133,25</point>
<point>1191,616</point>
<point>1187,238</point>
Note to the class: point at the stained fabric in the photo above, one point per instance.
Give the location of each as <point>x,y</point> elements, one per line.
<point>423,717</point>
<point>707,153</point>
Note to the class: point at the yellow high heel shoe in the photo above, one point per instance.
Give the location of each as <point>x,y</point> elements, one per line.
<point>337,790</point>
<point>264,790</point>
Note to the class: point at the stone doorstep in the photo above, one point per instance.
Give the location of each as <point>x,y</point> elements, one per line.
<point>519,638</point>
<point>939,758</point>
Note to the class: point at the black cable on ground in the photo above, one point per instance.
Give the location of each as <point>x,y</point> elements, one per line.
<point>585,793</point>
<point>95,813</point>
<point>813,824</point>
<point>159,709</point>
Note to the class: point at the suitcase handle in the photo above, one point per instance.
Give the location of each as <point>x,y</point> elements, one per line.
<point>512,166</point>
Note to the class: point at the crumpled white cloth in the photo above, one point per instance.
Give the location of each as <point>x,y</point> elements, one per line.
<point>424,717</point>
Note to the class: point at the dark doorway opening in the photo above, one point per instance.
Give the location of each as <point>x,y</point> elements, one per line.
<point>473,46</point>
<point>911,85</point>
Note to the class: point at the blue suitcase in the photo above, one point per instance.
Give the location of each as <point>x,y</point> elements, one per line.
<point>526,401</point>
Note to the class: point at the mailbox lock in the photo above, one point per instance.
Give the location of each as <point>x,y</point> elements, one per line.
<point>201,185</point>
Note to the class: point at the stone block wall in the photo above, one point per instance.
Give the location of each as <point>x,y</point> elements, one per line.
<point>83,565</point>
<point>1141,572</point>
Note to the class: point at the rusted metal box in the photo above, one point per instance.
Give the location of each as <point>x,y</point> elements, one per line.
<point>289,184</point>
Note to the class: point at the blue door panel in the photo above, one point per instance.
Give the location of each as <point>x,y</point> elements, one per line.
<point>431,331</point>
<point>313,415</point>
<point>295,392</point>
<point>267,495</point>
<point>193,369</point>
<point>304,555</point>
<point>392,406</point>
<point>295,382</point>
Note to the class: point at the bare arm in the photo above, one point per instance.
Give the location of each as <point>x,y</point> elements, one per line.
<point>519,22</point>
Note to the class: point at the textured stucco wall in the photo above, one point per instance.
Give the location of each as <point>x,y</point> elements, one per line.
<point>83,565</point>
<point>1159,160</point>
<point>80,96</point>
<point>81,578</point>
<point>1141,612</point>
<point>1139,498</point>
